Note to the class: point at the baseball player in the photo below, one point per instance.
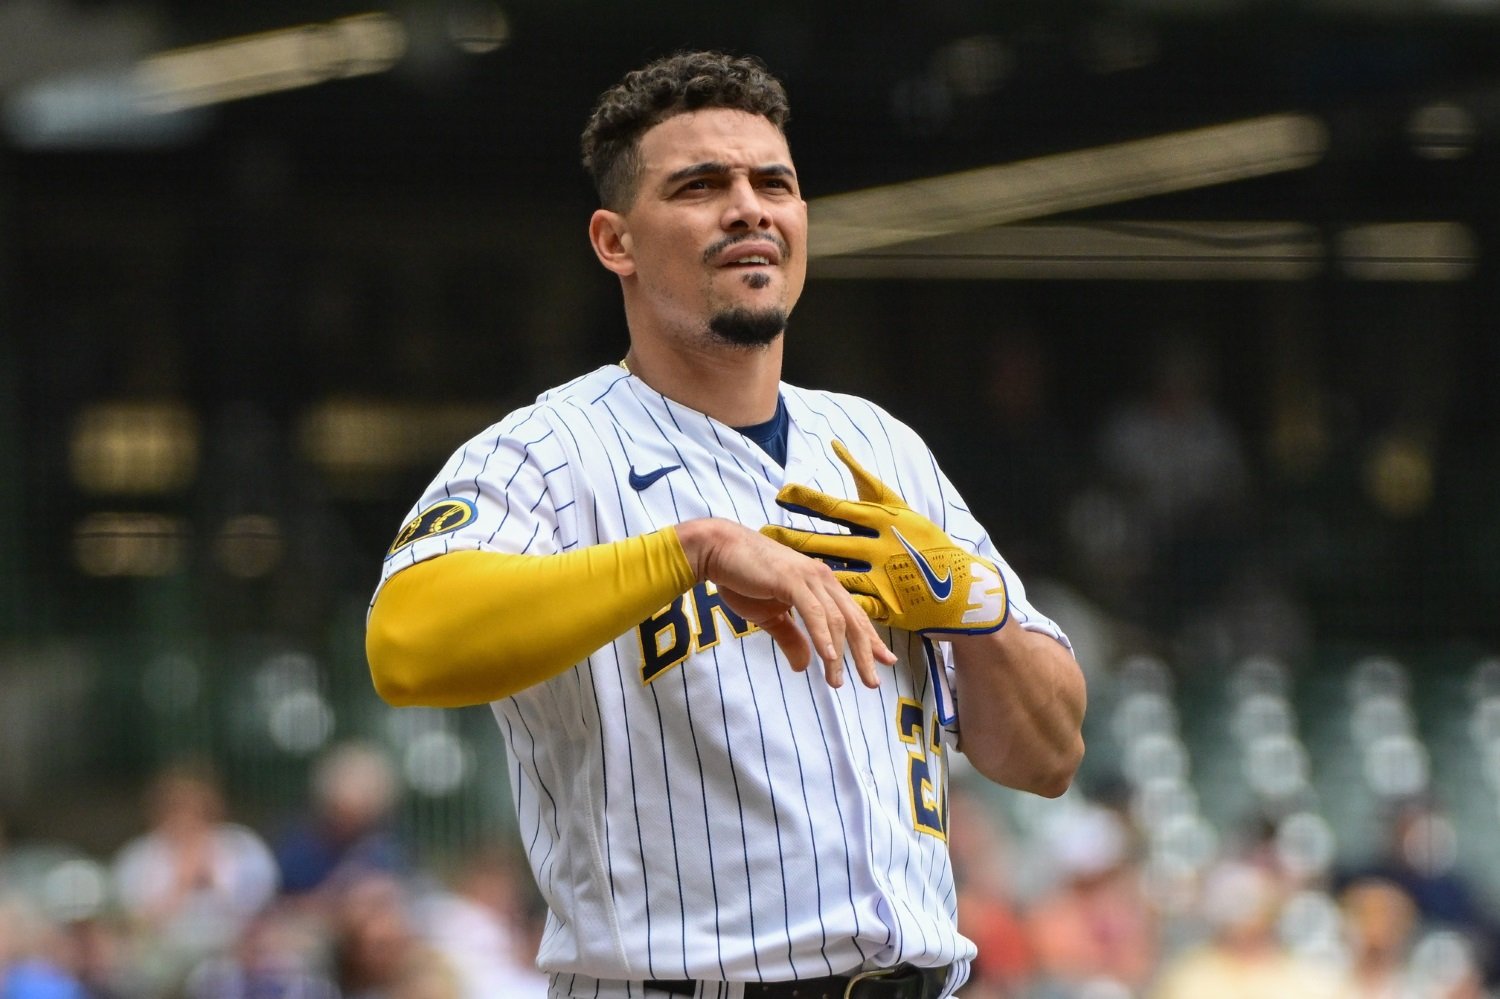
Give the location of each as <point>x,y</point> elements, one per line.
<point>638,571</point>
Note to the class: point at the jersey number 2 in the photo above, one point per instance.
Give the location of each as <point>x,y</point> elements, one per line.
<point>926,786</point>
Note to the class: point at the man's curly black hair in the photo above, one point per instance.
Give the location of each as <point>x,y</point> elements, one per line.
<point>687,81</point>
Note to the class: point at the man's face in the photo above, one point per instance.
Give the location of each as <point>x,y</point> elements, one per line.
<point>717,233</point>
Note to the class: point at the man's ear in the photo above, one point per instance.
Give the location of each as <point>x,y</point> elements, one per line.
<point>610,237</point>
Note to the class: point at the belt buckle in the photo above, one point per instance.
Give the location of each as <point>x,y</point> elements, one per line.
<point>864,976</point>
<point>869,976</point>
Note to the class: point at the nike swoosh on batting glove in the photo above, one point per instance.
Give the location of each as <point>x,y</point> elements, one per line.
<point>900,567</point>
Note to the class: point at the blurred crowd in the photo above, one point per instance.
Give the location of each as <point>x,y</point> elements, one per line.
<point>1075,911</point>
<point>333,903</point>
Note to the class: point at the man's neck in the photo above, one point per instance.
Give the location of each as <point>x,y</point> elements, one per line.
<point>737,386</point>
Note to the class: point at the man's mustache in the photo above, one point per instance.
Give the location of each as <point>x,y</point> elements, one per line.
<point>746,237</point>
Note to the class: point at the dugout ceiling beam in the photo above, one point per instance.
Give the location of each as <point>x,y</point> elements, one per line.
<point>1173,251</point>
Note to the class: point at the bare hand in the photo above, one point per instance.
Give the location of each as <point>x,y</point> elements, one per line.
<point>765,582</point>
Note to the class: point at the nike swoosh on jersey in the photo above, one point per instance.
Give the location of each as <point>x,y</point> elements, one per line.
<point>639,481</point>
<point>941,587</point>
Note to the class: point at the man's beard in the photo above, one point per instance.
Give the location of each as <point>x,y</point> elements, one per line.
<point>743,327</point>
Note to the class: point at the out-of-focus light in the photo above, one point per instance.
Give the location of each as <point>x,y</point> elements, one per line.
<point>60,87</point>
<point>1305,844</point>
<point>1441,131</point>
<point>1398,477</point>
<point>1260,715</point>
<point>283,673</point>
<point>437,763</point>
<point>1237,893</point>
<point>358,442</point>
<point>1141,714</point>
<point>1259,675</point>
<point>1485,680</point>
<point>90,111</point>
<point>1378,676</point>
<point>1311,924</point>
<point>1153,757</point>
<point>75,890</point>
<point>301,722</point>
<point>1379,717</point>
<point>1409,251</point>
<point>284,59</point>
<point>1276,766</point>
<point>249,546</point>
<point>992,196</point>
<point>129,544</point>
<point>134,448</point>
<point>1484,723</point>
<point>287,692</point>
<point>477,27</point>
<point>1187,839</point>
<point>1162,798</point>
<point>158,100</point>
<point>1489,763</point>
<point>406,725</point>
<point>351,437</point>
<point>1397,766</point>
<point>1441,963</point>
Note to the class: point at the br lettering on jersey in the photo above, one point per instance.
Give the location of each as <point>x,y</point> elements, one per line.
<point>686,626</point>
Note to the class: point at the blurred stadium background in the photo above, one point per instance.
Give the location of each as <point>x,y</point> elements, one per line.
<point>1193,298</point>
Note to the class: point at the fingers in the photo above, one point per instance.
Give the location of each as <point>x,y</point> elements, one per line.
<point>869,650</point>
<point>871,489</point>
<point>844,547</point>
<point>825,622</point>
<point>837,615</point>
<point>816,617</point>
<point>846,513</point>
<point>836,622</point>
<point>791,639</point>
<point>763,580</point>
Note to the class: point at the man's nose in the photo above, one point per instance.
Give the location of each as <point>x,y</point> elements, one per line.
<point>745,208</point>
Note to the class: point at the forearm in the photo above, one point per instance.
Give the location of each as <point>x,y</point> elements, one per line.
<point>1021,701</point>
<point>474,626</point>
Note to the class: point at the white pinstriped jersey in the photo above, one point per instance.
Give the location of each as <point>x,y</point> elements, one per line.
<point>691,807</point>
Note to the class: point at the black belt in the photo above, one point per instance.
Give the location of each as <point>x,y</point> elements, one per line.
<point>905,981</point>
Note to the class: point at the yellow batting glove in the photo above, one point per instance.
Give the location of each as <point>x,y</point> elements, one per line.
<point>900,567</point>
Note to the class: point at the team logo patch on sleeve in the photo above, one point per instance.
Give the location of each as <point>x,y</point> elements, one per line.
<point>440,518</point>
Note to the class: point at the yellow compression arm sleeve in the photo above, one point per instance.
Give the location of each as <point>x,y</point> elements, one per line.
<point>470,627</point>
